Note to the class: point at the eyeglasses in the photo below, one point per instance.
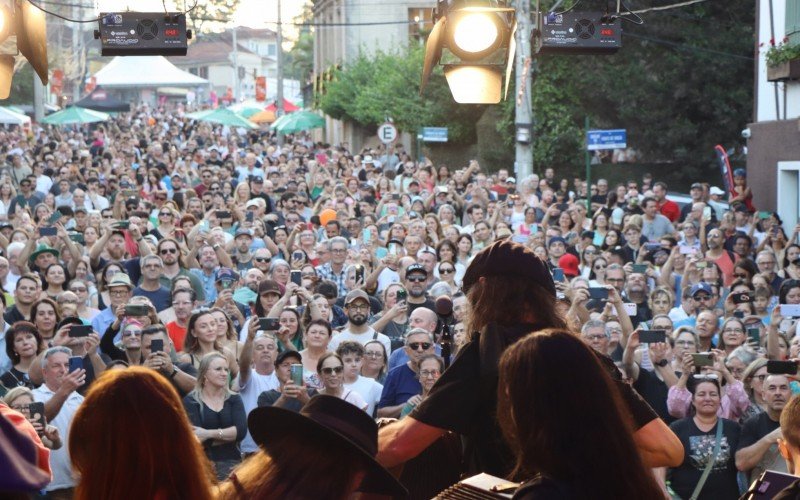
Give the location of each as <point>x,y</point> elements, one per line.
<point>165,251</point>
<point>358,307</point>
<point>416,279</point>
<point>118,293</point>
<point>78,289</point>
<point>338,250</point>
<point>733,330</point>
<point>262,259</point>
<point>446,271</point>
<point>429,373</point>
<point>332,370</point>
<point>415,346</point>
<point>735,371</point>
<point>596,336</point>
<point>373,354</point>
<point>685,343</point>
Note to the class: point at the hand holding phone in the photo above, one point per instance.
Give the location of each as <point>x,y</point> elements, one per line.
<point>652,336</point>
<point>157,345</point>
<point>269,324</point>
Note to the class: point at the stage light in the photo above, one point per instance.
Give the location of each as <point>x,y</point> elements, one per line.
<point>475,45</point>
<point>32,37</point>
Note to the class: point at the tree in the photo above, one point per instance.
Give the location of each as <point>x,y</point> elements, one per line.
<point>211,15</point>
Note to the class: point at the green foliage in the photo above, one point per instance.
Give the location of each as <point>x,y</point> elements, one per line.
<point>783,52</point>
<point>21,86</point>
<point>678,87</point>
<point>212,15</point>
<point>371,88</point>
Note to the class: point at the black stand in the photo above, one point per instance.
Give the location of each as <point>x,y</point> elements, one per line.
<point>447,341</point>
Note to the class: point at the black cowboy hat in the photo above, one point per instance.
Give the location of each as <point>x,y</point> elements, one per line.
<point>335,424</point>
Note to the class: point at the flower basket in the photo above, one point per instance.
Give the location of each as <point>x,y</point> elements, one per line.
<point>785,71</point>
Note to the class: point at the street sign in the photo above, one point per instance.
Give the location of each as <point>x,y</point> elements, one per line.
<point>434,134</point>
<point>606,139</point>
<point>387,133</point>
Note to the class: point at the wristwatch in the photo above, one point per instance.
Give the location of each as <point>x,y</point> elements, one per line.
<point>661,363</point>
<point>174,372</point>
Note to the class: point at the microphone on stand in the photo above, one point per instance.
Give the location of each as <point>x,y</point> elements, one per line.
<point>444,310</point>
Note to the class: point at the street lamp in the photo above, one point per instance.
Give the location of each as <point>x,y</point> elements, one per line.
<point>475,45</point>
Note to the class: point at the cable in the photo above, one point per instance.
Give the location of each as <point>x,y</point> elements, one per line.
<point>96,19</point>
<point>65,18</point>
<point>687,47</point>
<point>667,7</point>
<point>566,10</point>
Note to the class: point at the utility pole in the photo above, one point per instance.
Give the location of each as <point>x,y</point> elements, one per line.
<point>279,98</point>
<point>235,67</point>
<point>38,99</point>
<point>76,51</point>
<point>523,76</point>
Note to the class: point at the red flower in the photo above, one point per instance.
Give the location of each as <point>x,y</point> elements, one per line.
<point>772,41</point>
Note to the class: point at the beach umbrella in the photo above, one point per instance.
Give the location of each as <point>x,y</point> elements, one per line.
<point>73,115</point>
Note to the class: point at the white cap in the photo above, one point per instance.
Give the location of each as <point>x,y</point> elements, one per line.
<point>616,216</point>
<point>511,179</point>
<point>716,191</point>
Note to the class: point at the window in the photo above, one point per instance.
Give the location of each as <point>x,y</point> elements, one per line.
<point>272,50</point>
<point>203,72</point>
<point>793,21</point>
<point>420,23</point>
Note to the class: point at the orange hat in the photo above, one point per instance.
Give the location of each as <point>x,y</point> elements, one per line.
<point>326,216</point>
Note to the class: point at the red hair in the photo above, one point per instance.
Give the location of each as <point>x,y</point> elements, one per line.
<point>131,438</point>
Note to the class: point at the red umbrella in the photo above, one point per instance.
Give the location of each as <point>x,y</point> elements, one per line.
<point>288,107</point>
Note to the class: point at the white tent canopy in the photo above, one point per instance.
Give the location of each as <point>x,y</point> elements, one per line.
<point>145,71</point>
<point>8,117</point>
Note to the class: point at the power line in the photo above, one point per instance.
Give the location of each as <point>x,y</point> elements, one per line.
<point>668,7</point>
<point>687,47</point>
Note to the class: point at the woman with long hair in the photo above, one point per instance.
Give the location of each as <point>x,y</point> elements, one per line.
<point>217,414</point>
<point>139,462</point>
<point>700,434</point>
<point>753,379</point>
<point>7,194</point>
<point>108,272</point>
<point>23,344</point>
<point>226,332</point>
<point>510,293</point>
<point>553,383</point>
<point>330,369</point>
<point>44,314</point>
<point>202,339</point>
<point>56,277</point>
<point>464,246</point>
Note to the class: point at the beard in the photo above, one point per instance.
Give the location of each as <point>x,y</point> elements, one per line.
<point>358,319</point>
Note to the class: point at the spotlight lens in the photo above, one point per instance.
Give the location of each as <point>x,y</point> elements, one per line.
<point>475,33</point>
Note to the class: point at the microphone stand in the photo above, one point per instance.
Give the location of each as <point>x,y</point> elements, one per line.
<point>447,342</point>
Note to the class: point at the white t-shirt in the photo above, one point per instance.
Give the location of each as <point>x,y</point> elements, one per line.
<point>361,338</point>
<point>256,384</point>
<point>386,278</point>
<point>60,463</point>
<point>368,389</point>
<point>355,399</point>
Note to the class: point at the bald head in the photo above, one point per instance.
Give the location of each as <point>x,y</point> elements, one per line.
<point>424,318</point>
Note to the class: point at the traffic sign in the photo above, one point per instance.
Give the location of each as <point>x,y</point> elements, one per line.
<point>606,139</point>
<point>387,133</point>
<point>434,134</point>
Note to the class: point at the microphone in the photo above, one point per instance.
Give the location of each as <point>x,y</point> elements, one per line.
<point>444,309</point>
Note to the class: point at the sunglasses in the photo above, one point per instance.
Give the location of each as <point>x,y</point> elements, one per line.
<point>415,346</point>
<point>331,371</point>
<point>446,271</point>
<point>262,259</point>
<point>416,279</point>
<point>165,214</point>
<point>165,251</point>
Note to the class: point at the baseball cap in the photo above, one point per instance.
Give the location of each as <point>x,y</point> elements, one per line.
<point>511,179</point>
<point>226,274</point>
<point>269,286</point>
<point>701,287</point>
<point>243,232</point>
<point>416,268</point>
<point>616,215</point>
<point>288,354</point>
<point>716,191</point>
<point>556,239</point>
<point>354,295</point>
<point>569,263</point>
<point>697,185</point>
<point>368,159</point>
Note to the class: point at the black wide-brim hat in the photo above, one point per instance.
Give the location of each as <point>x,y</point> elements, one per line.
<point>335,424</point>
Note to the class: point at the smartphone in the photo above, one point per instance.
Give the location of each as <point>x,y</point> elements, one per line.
<point>75,363</point>
<point>223,214</point>
<point>652,336</point>
<point>782,367</point>
<point>703,359</point>
<point>391,219</point>
<point>631,308</point>
<point>688,250</point>
<point>297,374</point>
<point>359,273</point>
<point>598,293</point>
<point>77,238</point>
<point>55,217</point>
<point>401,295</point>
<point>136,310</point>
<point>763,215</point>
<point>707,213</point>
<point>227,284</point>
<point>80,331</point>
<point>249,217</point>
<point>48,231</point>
<point>269,324</point>
<point>741,298</point>
<point>754,334</point>
<point>122,224</point>
<point>297,277</point>
<point>738,314</point>
<point>652,247</point>
<point>563,206</point>
<point>366,235</point>
<point>130,193</point>
<point>393,248</point>
<point>36,414</point>
<point>702,265</point>
<point>790,310</point>
<point>502,196</point>
<point>157,345</point>
<point>558,274</point>
<point>395,196</point>
<point>640,268</point>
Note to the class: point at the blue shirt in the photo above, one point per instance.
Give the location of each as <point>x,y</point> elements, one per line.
<point>103,320</point>
<point>401,384</point>
<point>208,283</point>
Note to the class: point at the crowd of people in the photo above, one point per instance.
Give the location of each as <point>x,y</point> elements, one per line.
<point>252,303</point>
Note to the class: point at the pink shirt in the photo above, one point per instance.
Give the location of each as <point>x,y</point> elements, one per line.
<point>734,401</point>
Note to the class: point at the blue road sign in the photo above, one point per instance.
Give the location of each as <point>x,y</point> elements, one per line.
<point>606,139</point>
<point>434,134</point>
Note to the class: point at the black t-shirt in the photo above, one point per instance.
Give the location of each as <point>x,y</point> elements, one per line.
<point>464,400</point>
<point>12,315</point>
<point>755,428</point>
<point>268,398</point>
<point>429,303</point>
<point>698,447</point>
<point>654,391</point>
